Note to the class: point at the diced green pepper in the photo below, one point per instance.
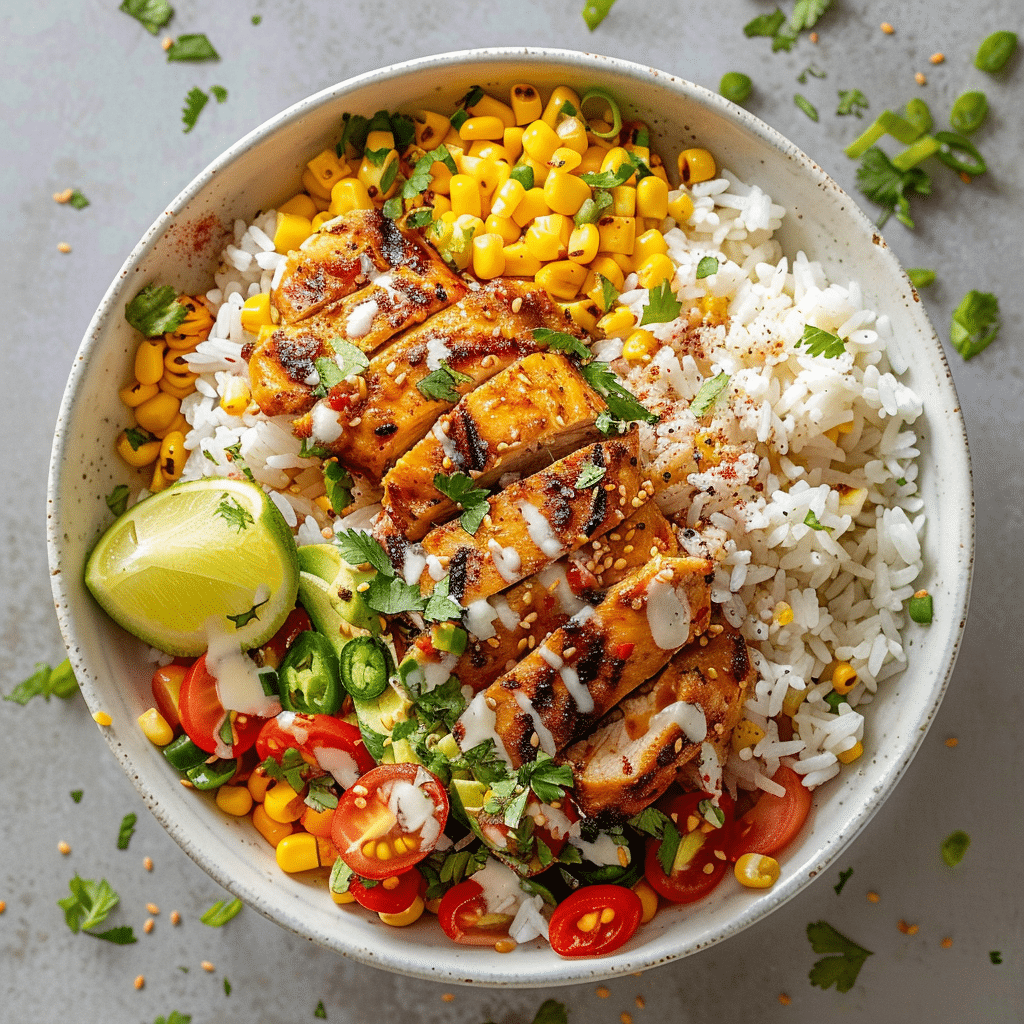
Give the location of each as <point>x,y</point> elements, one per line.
<point>919,607</point>
<point>212,776</point>
<point>183,754</point>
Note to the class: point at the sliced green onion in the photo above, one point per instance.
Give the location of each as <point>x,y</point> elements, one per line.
<point>915,153</point>
<point>919,607</point>
<point>887,123</point>
<point>995,51</point>
<point>952,144</point>
<point>918,114</point>
<point>920,277</point>
<point>613,106</point>
<point>969,111</point>
<point>736,86</point>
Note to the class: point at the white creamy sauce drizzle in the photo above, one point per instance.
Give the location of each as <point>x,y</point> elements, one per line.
<point>413,563</point>
<point>710,769</point>
<point>689,717</point>
<point>313,379</point>
<point>602,851</point>
<point>506,560</point>
<point>325,423</point>
<point>550,657</point>
<point>500,884</point>
<point>437,352</point>
<point>547,741</point>
<point>555,821</point>
<point>668,615</point>
<point>568,602</point>
<point>414,809</point>
<point>578,691</point>
<point>446,443</point>
<point>360,318</point>
<point>479,619</point>
<point>508,618</point>
<point>238,681</point>
<point>540,531</point>
<point>434,568</point>
<point>429,675</point>
<point>340,763</point>
<point>585,613</point>
<point>478,724</point>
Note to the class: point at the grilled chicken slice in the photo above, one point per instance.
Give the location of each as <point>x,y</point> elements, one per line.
<point>502,627</point>
<point>532,522</point>
<point>635,752</point>
<point>367,253</point>
<point>523,418</point>
<point>563,688</point>
<point>479,336</point>
<point>282,370</point>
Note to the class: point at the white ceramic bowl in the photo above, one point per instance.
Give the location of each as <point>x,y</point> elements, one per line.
<point>181,248</point>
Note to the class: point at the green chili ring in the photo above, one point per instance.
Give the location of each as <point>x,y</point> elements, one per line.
<point>603,94</point>
<point>952,144</point>
<point>308,676</point>
<point>364,668</point>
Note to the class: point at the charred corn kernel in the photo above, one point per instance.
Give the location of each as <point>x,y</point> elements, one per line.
<point>235,396</point>
<point>519,261</point>
<point>488,256</point>
<point>654,270</point>
<point>565,193</point>
<point>300,204</point>
<point>563,159</point>
<point>282,803</point>
<point>341,898</point>
<point>652,197</point>
<point>488,106</point>
<point>648,900</point>
<point>257,784</point>
<point>413,913</point>
<point>348,195</point>
<point>562,279</point>
<point>379,139</point>
<point>179,423</point>
<point>157,412</point>
<point>623,201</point>
<point>506,227</point>
<point>844,677</point>
<point>618,234</point>
<point>143,453</point>
<point>540,141</point>
<point>639,346</point>
<point>783,614</point>
<point>302,851</point>
<point>584,313</point>
<point>512,143</point>
<point>756,871</point>
<point>649,243</point>
<point>487,175</point>
<point>101,718</point>
<point>614,158</point>
<point>507,198</point>
<point>256,311</point>
<point>792,701</point>
<point>374,176</point>
<point>846,756</point>
<point>317,823</point>
<point>176,389</point>
<point>180,377</point>
<point>430,128</point>
<point>696,165</point>
<point>484,150</point>
<point>465,195</point>
<point>591,161</point>
<point>484,127</point>
<point>291,231</point>
<point>746,734</point>
<point>176,363</point>
<point>560,96</point>
<point>544,243</point>
<point>572,134</point>
<point>527,106</point>
<point>149,361</point>
<point>680,209</point>
<point>135,394</point>
<point>618,323</point>
<point>234,800</point>
<point>172,455</point>
<point>271,830</point>
<point>530,206</point>
<point>313,187</point>
<point>583,243</point>
<point>607,267</point>
<point>540,169</point>
<point>328,169</point>
<point>155,728</point>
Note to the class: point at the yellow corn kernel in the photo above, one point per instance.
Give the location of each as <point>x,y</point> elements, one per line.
<point>614,159</point>
<point>485,127</point>
<point>527,105</point>
<point>172,455</point>
<point>430,128</point>
<point>441,205</point>
<point>176,389</point>
<point>539,168</point>
<point>506,227</point>
<point>844,677</point>
<point>256,312</point>
<point>234,800</point>
<point>606,267</point>
<point>157,412</point>
<point>257,784</point>
<point>348,195</point>
<point>235,396</point>
<point>618,234</point>
<point>584,313</point>
<point>680,209</point>
<point>143,454</point>
<point>486,150</point>
<point>591,161</point>
<point>327,169</point>
<point>650,243</point>
<point>488,256</point>
<point>313,187</point>
<point>540,141</point>
<point>155,728</point>
<point>291,231</point>
<point>792,701</point>
<point>175,361</point>
<point>512,143</point>
<point>488,106</point>
<point>561,280</point>
<point>507,198</point>
<point>519,261</point>
<point>282,803</point>
<point>617,323</point>
<point>846,756</point>
<point>746,734</point>
<point>715,308</point>
<point>135,394</point>
<point>652,197</point>
<point>149,361</point>
<point>648,900</point>
<point>271,830</point>
<point>696,165</point>
<point>565,160</point>
<point>440,178</point>
<point>318,823</point>
<point>623,201</point>
<point>565,193</point>
<point>560,95</point>
<point>530,206</point>
<point>654,270</point>
<point>583,243</point>
<point>487,174</point>
<point>756,871</point>
<point>321,219</point>
<point>834,433</point>
<point>573,135</point>
<point>373,176</point>
<point>299,204</point>
<point>179,423</point>
<point>101,718</point>
<point>405,917</point>
<point>177,374</point>
<point>639,346</point>
<point>546,244</point>
<point>465,195</point>
<point>783,614</point>
<point>378,139</point>
<point>301,851</point>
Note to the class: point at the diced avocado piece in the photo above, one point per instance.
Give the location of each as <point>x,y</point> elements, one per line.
<point>404,752</point>
<point>380,714</point>
<point>328,592</point>
<point>471,793</point>
<point>449,637</point>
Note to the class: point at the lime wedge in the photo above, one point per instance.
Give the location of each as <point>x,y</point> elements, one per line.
<point>210,554</point>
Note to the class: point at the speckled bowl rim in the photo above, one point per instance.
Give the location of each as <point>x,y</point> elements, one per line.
<point>467,965</point>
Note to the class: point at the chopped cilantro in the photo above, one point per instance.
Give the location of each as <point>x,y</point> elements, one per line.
<point>710,391</point>
<point>609,293</point>
<point>622,405</point>
<point>551,1012</point>
<point>420,178</point>
<point>841,969</point>
<point>806,106</point>
<point>559,341</point>
<point>844,877</point>
<point>234,513</point>
<point>76,795</point>
<point>614,177</point>
<point>765,24</point>
<point>117,499</point>
<point>813,522</point>
<point>589,476</point>
<point>920,277</point>
<point>954,846</point>
<point>220,94</point>
<point>175,1017</point>
<point>320,1013</point>
<point>338,484</point>
<point>151,14</point>
<point>811,70</point>
<point>46,682</point>
<point>193,47</point>
<point>707,267</point>
<point>975,323</point>
<point>391,596</point>
<point>662,306</point>
<point>670,840</point>
<point>711,813</point>
<point>852,101</point>
<point>127,830</point>
<point>290,768</point>
<point>221,912</point>
<point>651,821</point>
<point>320,794</point>
<point>356,128</point>
<point>890,187</point>
<point>595,11</point>
<point>821,343</point>
<point>77,200</point>
<point>137,437</point>
<point>155,310</point>
<point>994,956</point>
<point>459,487</point>
<point>89,905</point>
<point>440,385</point>
<point>358,548</point>
<point>256,19</point>
<point>195,100</point>
<point>440,607</point>
<point>227,987</point>
<point>806,13</point>
<point>523,173</point>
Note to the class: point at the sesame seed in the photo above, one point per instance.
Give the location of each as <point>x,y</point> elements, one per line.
<point>873,897</point>
<point>448,997</point>
<point>623,854</point>
<point>64,848</point>
<point>139,981</point>
<point>62,197</point>
<point>360,802</point>
<point>678,746</point>
<point>920,78</point>
<point>937,58</point>
<point>517,304</point>
<point>152,908</point>
<point>400,379</point>
<point>602,992</point>
<point>207,966</point>
<point>568,652</point>
<point>186,783</point>
<point>521,646</point>
<point>887,28</point>
<point>355,422</point>
<point>708,869</point>
<point>167,42</point>
<point>362,587</point>
<point>148,926</point>
<point>626,1018</point>
<point>493,642</point>
<point>531,642</point>
<point>952,741</point>
<point>175,917</point>
<point>491,702</point>
<point>147,863</point>
<point>391,367</point>
<point>784,999</point>
<point>64,247</point>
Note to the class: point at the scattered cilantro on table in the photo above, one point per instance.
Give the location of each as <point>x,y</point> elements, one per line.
<point>844,877</point>
<point>806,106</point>
<point>193,46</point>
<point>46,682</point>
<point>843,964</point>
<point>975,323</point>
<point>89,905</point>
<point>78,200</point>
<point>126,831</point>
<point>76,795</point>
<point>175,1017</point>
<point>221,912</point>
<point>595,11</point>
<point>852,101</point>
<point>151,14</point>
<point>954,846</point>
<point>320,1013</point>
<point>784,31</point>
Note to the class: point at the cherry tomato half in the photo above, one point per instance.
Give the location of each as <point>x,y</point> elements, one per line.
<point>393,900</point>
<point>390,819</point>
<point>464,917</point>
<point>166,686</point>
<point>202,714</point>
<point>774,820</point>
<point>322,740</point>
<point>595,921</point>
<point>708,860</point>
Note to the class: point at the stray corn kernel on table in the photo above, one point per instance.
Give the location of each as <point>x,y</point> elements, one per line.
<point>93,104</point>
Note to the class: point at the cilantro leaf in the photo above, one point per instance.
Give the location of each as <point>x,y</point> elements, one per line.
<point>549,780</point>
<point>373,741</point>
<point>440,385</point>
<point>670,839</point>
<point>338,484</point>
<point>840,970</point>
<point>459,487</point>
<point>320,1013</point>
<point>89,905</point>
<point>155,310</point>
<point>844,877</point>
<point>356,128</point>
<point>622,405</point>
<point>765,24</point>
<point>151,14</point>
<point>78,200</point>
<point>221,912</point>
<point>559,341</point>
<point>995,956</point>
<point>614,177</point>
<point>821,343</point>
<point>291,767</point>
<point>708,394</point>
<point>122,935</point>
<point>391,596</point>
<point>806,13</point>
<point>852,101</point>
<point>358,548</point>
<point>76,795</point>
<point>707,267</point>
<point>175,1017</point>
<point>813,70</point>
<point>234,513</point>
<point>419,181</point>
<point>975,323</point>
<point>609,293</point>
<point>220,94</point>
<point>813,522</point>
<point>595,11</point>
<point>662,306</point>
<point>806,106</point>
<point>117,499</point>
<point>320,793</point>
<point>651,821</point>
<point>954,846</point>
<point>440,607</point>
<point>194,46</point>
<point>551,1012</point>
<point>377,156</point>
<point>234,454</point>
<point>589,476</point>
<point>45,682</point>
<point>890,187</point>
<point>195,100</point>
<point>127,830</point>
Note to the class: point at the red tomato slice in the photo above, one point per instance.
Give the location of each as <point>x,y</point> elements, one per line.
<point>774,820</point>
<point>388,901</point>
<point>202,713</point>
<point>276,647</point>
<point>390,819</point>
<point>704,870</point>
<point>464,918</point>
<point>309,734</point>
<point>166,686</point>
<point>594,921</point>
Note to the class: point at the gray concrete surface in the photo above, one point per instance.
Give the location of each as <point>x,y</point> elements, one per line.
<point>89,101</point>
